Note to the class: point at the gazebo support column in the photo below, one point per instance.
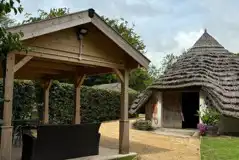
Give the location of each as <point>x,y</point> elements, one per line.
<point>6,135</point>
<point>124,120</point>
<point>46,87</point>
<point>78,82</point>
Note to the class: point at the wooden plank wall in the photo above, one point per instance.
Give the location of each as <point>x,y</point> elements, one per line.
<point>172,110</point>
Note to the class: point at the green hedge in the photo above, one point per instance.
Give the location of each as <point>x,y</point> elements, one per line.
<point>24,99</point>
<point>96,105</point>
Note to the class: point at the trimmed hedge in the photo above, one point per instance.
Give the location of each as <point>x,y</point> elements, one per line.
<point>97,105</point>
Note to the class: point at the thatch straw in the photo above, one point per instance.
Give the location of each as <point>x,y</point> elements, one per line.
<point>207,65</point>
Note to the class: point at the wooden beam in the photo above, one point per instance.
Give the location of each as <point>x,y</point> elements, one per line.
<point>51,65</point>
<point>6,136</point>
<point>124,120</point>
<point>39,70</point>
<point>119,74</point>
<point>78,82</point>
<point>22,62</point>
<point>53,55</point>
<point>46,86</point>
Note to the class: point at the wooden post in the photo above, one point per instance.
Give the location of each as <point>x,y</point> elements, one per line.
<point>124,120</point>
<point>6,136</point>
<point>46,87</point>
<point>78,82</point>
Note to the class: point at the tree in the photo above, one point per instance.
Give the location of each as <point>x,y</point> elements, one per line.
<point>6,21</point>
<point>127,32</point>
<point>8,41</point>
<point>168,61</point>
<point>154,72</point>
<point>54,12</point>
<point>139,79</point>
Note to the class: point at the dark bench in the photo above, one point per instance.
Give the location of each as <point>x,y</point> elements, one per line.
<point>60,142</point>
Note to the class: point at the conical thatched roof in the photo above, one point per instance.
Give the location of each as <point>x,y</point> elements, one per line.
<point>207,65</point>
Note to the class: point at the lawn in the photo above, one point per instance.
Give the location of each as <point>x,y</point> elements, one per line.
<point>127,158</point>
<point>219,148</point>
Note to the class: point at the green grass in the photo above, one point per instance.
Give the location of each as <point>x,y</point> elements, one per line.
<point>219,148</point>
<point>127,158</point>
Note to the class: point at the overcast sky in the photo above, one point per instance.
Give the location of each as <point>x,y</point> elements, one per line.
<point>166,26</point>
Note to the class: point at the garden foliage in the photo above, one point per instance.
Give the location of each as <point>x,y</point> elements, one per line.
<point>142,124</point>
<point>96,105</point>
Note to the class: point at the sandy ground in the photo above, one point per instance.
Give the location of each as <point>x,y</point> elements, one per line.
<point>152,146</point>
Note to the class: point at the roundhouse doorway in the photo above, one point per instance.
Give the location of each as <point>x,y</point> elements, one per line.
<point>190,106</point>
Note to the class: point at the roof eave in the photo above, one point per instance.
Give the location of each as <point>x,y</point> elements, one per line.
<point>36,29</point>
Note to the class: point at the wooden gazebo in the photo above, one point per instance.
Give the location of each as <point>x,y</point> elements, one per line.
<point>71,46</point>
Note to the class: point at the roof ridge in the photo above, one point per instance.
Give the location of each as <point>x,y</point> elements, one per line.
<point>207,41</point>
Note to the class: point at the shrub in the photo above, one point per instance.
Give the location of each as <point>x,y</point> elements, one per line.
<point>141,124</point>
<point>209,116</point>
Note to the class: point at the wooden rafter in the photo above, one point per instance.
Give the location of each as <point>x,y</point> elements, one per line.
<point>22,62</point>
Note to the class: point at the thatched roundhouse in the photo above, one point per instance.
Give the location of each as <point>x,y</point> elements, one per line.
<point>207,75</point>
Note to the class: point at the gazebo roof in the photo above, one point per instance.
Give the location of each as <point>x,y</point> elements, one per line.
<point>68,47</point>
<point>207,65</point>
<point>55,48</point>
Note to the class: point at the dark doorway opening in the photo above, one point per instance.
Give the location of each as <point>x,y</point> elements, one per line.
<point>190,106</point>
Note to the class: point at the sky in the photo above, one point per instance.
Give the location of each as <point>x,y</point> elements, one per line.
<point>165,26</point>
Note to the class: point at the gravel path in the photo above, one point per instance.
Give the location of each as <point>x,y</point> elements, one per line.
<point>152,146</point>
